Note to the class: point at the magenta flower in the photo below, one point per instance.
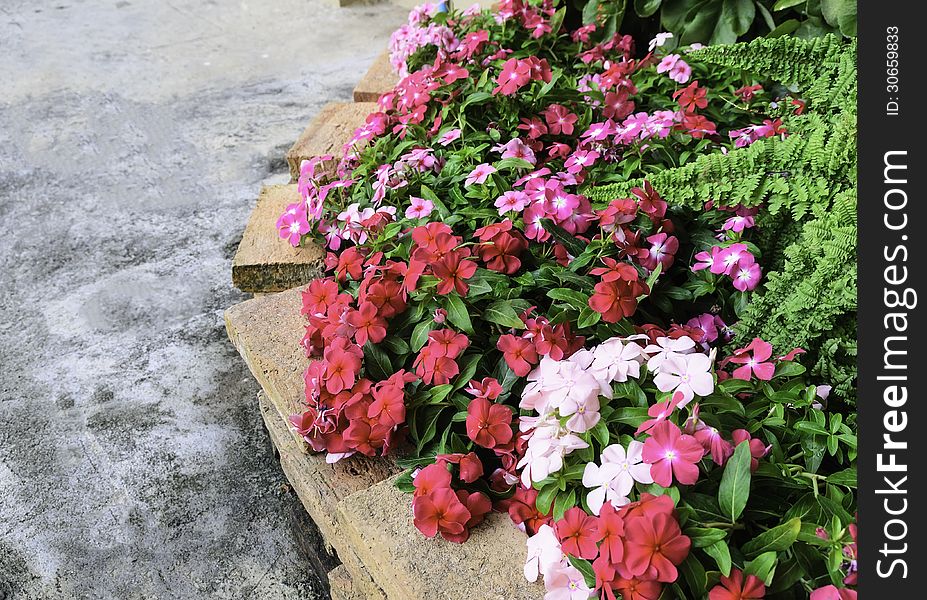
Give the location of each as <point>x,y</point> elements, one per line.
<point>747,274</point>
<point>754,360</point>
<point>516,148</point>
<point>419,209</point>
<point>479,174</point>
<point>672,454</point>
<point>292,226</point>
<point>728,258</point>
<point>737,224</point>
<point>580,160</point>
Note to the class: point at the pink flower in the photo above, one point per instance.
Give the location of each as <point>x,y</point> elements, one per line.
<point>516,148</point>
<point>659,412</point>
<point>419,208</point>
<point>566,583</point>
<point>515,73</point>
<point>292,226</point>
<point>680,72</point>
<point>712,442</point>
<point>669,61</point>
<point>671,453</point>
<point>511,201</point>
<point>737,224</point>
<point>559,120</point>
<point>479,174</point>
<point>757,449</point>
<point>580,160</point>
<point>831,592</point>
<point>448,137</point>
<point>753,360</point>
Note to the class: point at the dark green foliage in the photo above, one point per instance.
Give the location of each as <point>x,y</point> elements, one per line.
<point>806,186</point>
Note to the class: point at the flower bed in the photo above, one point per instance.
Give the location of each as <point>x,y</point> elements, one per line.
<point>582,358</point>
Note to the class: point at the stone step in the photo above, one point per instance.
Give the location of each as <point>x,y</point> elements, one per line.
<point>328,132</point>
<point>342,585</point>
<point>265,262</point>
<point>321,486</point>
<point>407,566</point>
<point>379,79</point>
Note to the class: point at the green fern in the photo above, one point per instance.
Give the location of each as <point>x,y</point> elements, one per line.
<point>806,185</point>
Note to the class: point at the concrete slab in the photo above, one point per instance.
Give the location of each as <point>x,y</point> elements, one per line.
<point>327,134</point>
<point>264,261</point>
<point>134,136</point>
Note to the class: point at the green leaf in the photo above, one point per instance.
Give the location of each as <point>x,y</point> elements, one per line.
<point>646,8</point>
<point>722,555</point>
<point>735,482</point>
<point>545,499</point>
<point>468,367</point>
<point>789,369</point>
<point>846,478</point>
<point>840,14</point>
<point>395,345</point>
<point>777,539</point>
<point>563,503</point>
<point>420,334</point>
<point>376,362</point>
<point>763,566</point>
<point>573,246</point>
<point>694,573</point>
<point>705,536</point>
<point>576,299</point>
<point>457,313</point>
<point>503,314</point>
<point>584,567</point>
<point>590,11</point>
<point>404,482</point>
<point>513,163</point>
<point>587,318</point>
<point>784,4</point>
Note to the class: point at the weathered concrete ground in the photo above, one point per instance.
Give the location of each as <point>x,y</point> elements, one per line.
<point>134,135</point>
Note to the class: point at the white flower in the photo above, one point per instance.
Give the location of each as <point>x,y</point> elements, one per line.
<point>667,348</point>
<point>659,40</point>
<point>544,553</point>
<point>615,360</point>
<point>688,374</point>
<point>615,478</point>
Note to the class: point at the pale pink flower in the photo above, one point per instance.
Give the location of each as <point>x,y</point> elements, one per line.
<point>450,136</point>
<point>659,40</point>
<point>566,583</point>
<point>511,201</point>
<point>667,348</point>
<point>479,174</point>
<point>681,72</point>
<point>544,553</point>
<point>419,208</point>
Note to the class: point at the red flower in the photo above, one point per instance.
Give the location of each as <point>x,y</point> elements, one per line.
<point>615,300</point>
<point>515,73</point>
<point>736,588</point>
<point>478,505</point>
<point>747,92</point>
<point>501,253</point>
<point>654,546</point>
<point>447,342</point>
<point>611,532</point>
<point>320,294</point>
<point>671,453</point>
<point>519,353</point>
<point>433,477</point>
<point>453,270</point>
<point>754,364</point>
<point>350,263</point>
<point>559,119</point>
<point>578,533</point>
<point>691,97</point>
<point>388,406</point>
<point>488,388</point>
<point>522,508</point>
<point>368,324</point>
<point>489,425</point>
<point>616,105</point>
<point>471,468</point>
<point>615,271</point>
<point>343,361</point>
<point>440,511</point>
<point>636,589</point>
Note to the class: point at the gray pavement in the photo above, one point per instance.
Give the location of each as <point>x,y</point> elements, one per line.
<point>134,135</point>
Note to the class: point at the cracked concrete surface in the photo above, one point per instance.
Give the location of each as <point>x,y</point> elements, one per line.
<point>134,136</point>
